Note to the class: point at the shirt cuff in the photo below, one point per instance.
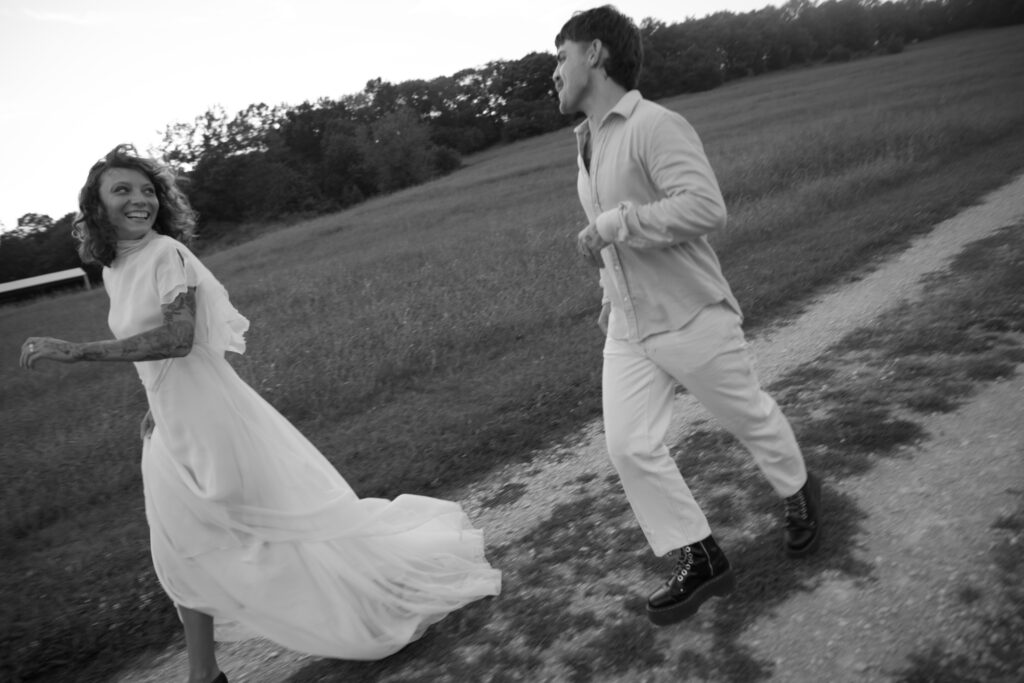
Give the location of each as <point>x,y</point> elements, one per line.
<point>609,226</point>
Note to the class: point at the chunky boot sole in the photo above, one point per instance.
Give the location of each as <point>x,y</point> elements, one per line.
<point>720,585</point>
<point>814,493</point>
<point>809,549</point>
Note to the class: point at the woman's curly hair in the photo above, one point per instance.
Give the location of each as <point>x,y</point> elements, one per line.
<point>96,235</point>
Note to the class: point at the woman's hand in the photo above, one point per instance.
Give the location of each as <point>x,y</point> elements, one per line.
<point>47,348</point>
<point>147,426</point>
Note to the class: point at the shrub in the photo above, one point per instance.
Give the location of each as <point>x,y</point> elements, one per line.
<point>894,45</point>
<point>839,53</point>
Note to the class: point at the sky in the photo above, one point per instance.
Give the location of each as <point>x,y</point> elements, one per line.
<point>78,77</point>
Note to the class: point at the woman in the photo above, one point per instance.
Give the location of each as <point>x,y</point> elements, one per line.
<point>252,531</point>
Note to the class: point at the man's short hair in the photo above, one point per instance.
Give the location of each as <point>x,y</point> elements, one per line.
<point>617,32</point>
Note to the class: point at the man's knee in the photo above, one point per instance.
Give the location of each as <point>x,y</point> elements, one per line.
<point>629,453</point>
<point>762,418</point>
<point>617,449</point>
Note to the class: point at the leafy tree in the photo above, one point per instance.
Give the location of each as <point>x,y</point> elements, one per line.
<point>898,20</point>
<point>345,179</point>
<point>740,43</point>
<point>32,224</point>
<point>523,91</point>
<point>381,98</point>
<point>466,122</point>
<point>398,151</point>
<point>850,24</point>
<point>680,58</point>
<point>214,133</point>
<point>302,130</point>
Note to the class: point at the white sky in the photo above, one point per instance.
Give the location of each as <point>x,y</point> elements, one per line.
<point>80,76</point>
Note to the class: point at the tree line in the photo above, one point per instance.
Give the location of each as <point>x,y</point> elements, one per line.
<point>266,162</point>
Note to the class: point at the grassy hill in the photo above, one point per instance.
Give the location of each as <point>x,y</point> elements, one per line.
<point>422,338</point>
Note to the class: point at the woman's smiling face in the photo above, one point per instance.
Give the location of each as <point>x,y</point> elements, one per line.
<point>130,201</point>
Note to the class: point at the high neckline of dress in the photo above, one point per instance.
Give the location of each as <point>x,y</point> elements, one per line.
<point>126,247</point>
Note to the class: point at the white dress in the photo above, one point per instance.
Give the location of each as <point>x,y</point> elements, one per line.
<point>248,521</point>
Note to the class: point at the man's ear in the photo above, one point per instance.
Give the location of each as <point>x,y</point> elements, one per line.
<point>597,54</point>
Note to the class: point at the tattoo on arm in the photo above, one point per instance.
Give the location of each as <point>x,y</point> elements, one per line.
<point>171,340</point>
<point>180,320</point>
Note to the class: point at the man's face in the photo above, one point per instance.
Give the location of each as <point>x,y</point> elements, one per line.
<point>572,75</point>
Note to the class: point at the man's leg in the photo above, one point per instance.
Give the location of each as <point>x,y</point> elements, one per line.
<point>637,398</point>
<point>719,372</point>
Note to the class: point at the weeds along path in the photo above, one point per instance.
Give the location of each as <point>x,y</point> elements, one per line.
<point>576,565</point>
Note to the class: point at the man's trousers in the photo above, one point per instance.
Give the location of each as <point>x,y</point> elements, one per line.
<point>710,358</point>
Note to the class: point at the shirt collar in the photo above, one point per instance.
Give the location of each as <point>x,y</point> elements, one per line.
<point>624,108</point>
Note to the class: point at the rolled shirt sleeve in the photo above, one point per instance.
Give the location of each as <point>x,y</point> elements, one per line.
<point>688,203</point>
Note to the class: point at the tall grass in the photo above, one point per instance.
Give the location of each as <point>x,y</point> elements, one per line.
<point>421,339</point>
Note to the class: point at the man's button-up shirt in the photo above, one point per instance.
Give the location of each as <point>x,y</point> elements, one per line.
<point>651,193</point>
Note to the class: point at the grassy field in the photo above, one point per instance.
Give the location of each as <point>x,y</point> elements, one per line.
<point>572,603</point>
<point>422,338</point>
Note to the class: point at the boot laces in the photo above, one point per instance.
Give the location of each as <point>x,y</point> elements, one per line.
<point>684,564</point>
<point>796,506</point>
<point>796,510</point>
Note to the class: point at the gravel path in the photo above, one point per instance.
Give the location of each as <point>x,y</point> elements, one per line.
<point>778,349</point>
<point>930,518</point>
<point>889,490</point>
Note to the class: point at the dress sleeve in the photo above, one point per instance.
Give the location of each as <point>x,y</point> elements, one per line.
<point>219,325</point>
<point>174,274</point>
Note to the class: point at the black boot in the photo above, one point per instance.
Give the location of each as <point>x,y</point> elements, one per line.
<point>701,572</point>
<point>803,519</point>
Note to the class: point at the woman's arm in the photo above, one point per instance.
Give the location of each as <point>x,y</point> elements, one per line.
<point>173,339</point>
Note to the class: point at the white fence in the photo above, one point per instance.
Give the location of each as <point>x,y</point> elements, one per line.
<point>24,283</point>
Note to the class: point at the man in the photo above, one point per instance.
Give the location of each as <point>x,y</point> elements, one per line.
<point>667,311</point>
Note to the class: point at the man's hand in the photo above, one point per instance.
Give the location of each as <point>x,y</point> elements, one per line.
<point>147,425</point>
<point>589,244</point>
<point>602,320</point>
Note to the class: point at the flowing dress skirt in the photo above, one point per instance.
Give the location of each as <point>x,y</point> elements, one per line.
<point>251,524</point>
